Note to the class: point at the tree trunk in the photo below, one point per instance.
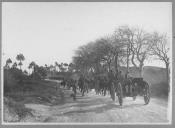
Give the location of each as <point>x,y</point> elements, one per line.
<point>116,63</point>
<point>127,62</point>
<point>20,65</point>
<point>132,59</point>
<point>128,54</point>
<point>167,75</point>
<point>141,70</point>
<point>109,66</point>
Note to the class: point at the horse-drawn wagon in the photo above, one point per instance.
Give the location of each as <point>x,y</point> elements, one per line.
<point>132,87</point>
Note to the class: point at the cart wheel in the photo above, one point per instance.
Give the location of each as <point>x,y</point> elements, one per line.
<point>146,94</point>
<point>120,94</point>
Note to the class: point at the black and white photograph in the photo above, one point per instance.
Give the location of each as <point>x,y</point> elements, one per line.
<point>86,63</point>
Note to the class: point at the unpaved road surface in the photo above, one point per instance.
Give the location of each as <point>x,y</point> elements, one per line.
<point>94,108</point>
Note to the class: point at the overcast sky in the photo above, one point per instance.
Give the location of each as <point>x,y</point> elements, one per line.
<point>49,32</point>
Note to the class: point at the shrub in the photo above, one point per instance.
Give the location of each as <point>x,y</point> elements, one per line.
<point>15,109</point>
<point>13,79</point>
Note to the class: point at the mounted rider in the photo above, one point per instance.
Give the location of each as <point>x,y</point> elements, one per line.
<point>111,76</point>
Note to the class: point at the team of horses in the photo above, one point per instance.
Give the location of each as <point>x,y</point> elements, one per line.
<point>104,84</point>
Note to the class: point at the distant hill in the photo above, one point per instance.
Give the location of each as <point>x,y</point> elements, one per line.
<point>151,74</point>
<point>157,78</point>
<point>154,75</point>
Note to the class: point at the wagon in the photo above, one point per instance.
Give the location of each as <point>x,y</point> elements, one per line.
<point>132,87</point>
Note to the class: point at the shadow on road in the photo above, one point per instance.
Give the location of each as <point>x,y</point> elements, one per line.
<point>132,105</point>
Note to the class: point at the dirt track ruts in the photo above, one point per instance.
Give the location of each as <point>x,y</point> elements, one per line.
<point>94,108</point>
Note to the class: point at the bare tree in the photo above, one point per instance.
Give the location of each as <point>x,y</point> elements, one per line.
<point>137,44</point>
<point>104,49</point>
<point>160,49</point>
<point>31,66</point>
<point>140,48</point>
<point>123,44</point>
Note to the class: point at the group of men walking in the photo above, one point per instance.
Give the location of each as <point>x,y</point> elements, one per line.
<point>101,83</point>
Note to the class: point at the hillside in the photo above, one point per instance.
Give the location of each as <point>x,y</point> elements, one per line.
<point>154,75</point>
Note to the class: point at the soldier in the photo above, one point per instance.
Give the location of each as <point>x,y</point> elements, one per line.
<point>74,88</point>
<point>119,76</point>
<point>111,76</point>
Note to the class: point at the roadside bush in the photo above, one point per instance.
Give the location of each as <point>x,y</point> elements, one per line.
<point>36,76</point>
<point>39,73</point>
<point>13,79</point>
<point>14,111</point>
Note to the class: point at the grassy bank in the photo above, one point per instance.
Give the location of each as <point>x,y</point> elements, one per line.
<point>38,92</point>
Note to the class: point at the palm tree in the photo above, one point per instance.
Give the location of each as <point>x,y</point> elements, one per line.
<point>51,67</point>
<point>70,67</point>
<point>14,65</point>
<point>46,67</point>
<point>32,66</point>
<point>8,62</point>
<point>56,65</point>
<point>59,66</point>
<point>20,57</point>
<point>65,66</point>
<point>20,64</point>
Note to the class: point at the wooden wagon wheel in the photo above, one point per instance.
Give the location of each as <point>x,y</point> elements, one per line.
<point>146,93</point>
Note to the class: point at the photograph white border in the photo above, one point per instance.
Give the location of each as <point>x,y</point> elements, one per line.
<point>90,123</point>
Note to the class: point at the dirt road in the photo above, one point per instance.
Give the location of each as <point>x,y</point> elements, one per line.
<point>94,108</point>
